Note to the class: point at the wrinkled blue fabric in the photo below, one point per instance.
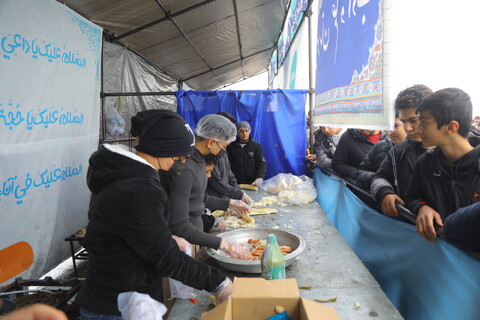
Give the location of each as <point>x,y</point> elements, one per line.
<point>424,280</point>
<point>277,119</point>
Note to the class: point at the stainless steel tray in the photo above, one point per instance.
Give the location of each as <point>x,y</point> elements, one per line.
<point>284,238</point>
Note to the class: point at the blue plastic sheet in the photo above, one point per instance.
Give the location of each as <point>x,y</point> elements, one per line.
<point>277,119</point>
<point>424,280</point>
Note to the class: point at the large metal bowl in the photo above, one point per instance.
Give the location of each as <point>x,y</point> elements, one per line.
<point>284,238</point>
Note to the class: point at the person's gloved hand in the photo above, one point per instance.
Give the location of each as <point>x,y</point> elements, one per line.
<point>240,207</point>
<point>219,225</point>
<point>257,182</point>
<point>235,250</point>
<point>223,291</point>
<point>183,244</point>
<point>246,198</point>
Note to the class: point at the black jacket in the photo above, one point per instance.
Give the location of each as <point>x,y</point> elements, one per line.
<point>396,170</point>
<point>188,199</point>
<point>461,227</point>
<point>445,186</point>
<point>474,137</point>
<point>247,162</point>
<point>223,182</point>
<point>325,148</point>
<point>376,155</point>
<point>130,247</point>
<point>351,150</point>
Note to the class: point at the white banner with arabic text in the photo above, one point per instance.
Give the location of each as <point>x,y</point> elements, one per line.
<point>50,60</point>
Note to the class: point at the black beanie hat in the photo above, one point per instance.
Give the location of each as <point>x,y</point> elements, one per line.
<point>162,133</point>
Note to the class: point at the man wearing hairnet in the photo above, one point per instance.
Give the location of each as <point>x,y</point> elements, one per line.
<point>187,196</point>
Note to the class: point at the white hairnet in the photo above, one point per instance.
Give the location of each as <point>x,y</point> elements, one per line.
<point>214,126</point>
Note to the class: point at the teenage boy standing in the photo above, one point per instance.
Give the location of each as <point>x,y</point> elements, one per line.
<point>390,183</point>
<point>447,178</point>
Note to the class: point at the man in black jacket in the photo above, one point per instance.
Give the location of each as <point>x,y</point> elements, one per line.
<point>447,178</point>
<point>390,182</point>
<point>352,149</point>
<point>130,246</point>
<point>246,157</point>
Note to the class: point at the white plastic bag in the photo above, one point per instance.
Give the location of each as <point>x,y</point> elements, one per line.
<point>115,124</point>
<point>140,306</point>
<point>290,189</point>
<point>300,195</point>
<point>280,182</point>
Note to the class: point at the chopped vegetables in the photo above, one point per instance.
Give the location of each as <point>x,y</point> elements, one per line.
<point>258,246</point>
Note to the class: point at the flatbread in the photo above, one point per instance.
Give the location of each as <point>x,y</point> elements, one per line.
<point>259,211</point>
<point>218,213</point>
<point>255,212</point>
<point>248,187</point>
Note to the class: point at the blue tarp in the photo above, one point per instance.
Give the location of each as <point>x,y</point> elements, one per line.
<point>424,280</point>
<point>277,119</point>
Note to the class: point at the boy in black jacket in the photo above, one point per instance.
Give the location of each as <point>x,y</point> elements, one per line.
<point>390,182</point>
<point>447,178</point>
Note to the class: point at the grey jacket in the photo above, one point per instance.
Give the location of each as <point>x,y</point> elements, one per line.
<point>188,199</point>
<point>325,148</point>
<point>223,182</point>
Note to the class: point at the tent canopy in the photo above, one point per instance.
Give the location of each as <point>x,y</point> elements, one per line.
<point>206,44</point>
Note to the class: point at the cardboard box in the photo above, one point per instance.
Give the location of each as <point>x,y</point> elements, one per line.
<point>256,298</point>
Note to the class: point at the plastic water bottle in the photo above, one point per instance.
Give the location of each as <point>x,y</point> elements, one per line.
<point>272,263</point>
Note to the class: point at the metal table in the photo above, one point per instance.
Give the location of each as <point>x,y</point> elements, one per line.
<point>328,265</point>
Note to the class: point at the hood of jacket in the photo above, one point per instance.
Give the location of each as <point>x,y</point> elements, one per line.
<point>113,163</point>
<point>468,164</point>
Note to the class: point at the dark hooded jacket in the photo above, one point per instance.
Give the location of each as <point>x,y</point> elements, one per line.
<point>351,150</point>
<point>376,155</point>
<point>396,170</point>
<point>247,162</point>
<point>444,186</point>
<point>130,247</point>
<point>461,227</point>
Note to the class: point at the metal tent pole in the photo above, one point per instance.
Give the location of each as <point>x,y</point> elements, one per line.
<point>102,105</point>
<point>311,91</point>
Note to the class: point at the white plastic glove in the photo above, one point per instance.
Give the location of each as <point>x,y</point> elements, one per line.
<point>183,244</point>
<point>219,225</point>
<point>235,250</point>
<point>257,182</point>
<point>240,207</point>
<point>246,198</point>
<point>223,291</point>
